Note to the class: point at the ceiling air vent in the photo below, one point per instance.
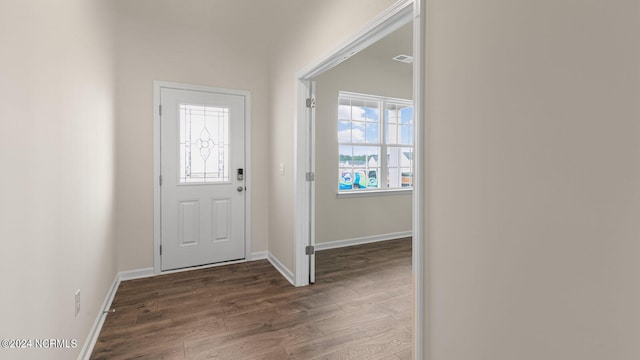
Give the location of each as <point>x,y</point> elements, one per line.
<point>404,58</point>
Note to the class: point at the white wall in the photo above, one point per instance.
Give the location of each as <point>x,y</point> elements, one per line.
<point>350,218</point>
<point>306,39</point>
<point>216,43</point>
<point>534,155</point>
<point>57,161</point>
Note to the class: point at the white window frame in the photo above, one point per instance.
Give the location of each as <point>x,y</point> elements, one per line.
<point>382,190</point>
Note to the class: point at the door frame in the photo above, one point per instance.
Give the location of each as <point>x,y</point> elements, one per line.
<point>157,239</point>
<point>304,221</point>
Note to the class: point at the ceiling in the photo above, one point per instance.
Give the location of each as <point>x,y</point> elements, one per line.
<point>396,43</point>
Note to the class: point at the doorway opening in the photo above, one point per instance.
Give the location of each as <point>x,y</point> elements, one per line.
<point>403,13</point>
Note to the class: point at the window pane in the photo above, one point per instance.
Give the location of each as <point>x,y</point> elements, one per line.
<point>372,112</point>
<point>357,109</point>
<point>204,144</point>
<point>372,133</point>
<point>393,178</point>
<point>358,167</point>
<point>392,134</point>
<point>405,134</point>
<point>360,179</point>
<point>406,115</point>
<point>344,131</point>
<point>344,111</point>
<point>406,177</point>
<point>392,156</point>
<point>345,179</point>
<point>392,114</point>
<point>399,124</point>
<point>345,155</point>
<point>373,178</point>
<point>406,157</point>
<point>357,132</point>
<point>366,156</point>
<point>400,164</point>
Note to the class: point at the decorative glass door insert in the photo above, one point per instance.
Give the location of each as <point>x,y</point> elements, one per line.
<point>204,144</point>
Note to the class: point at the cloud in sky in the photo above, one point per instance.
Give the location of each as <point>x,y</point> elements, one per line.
<point>345,136</point>
<point>356,135</point>
<point>346,112</point>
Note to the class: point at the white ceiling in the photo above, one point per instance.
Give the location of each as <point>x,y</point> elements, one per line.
<point>396,43</point>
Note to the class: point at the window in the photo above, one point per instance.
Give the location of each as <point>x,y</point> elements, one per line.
<point>375,143</point>
<point>204,144</point>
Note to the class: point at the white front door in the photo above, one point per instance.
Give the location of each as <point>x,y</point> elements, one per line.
<point>202,157</point>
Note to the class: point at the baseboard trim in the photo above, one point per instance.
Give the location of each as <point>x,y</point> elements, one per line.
<point>362,240</point>
<point>91,340</point>
<point>260,255</point>
<point>281,268</point>
<point>135,274</point>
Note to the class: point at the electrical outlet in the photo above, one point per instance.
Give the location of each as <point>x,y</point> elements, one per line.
<point>77,302</point>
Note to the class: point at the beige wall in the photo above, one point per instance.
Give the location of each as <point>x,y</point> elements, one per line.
<point>214,43</point>
<point>190,42</point>
<point>307,39</point>
<point>534,155</point>
<point>350,218</point>
<point>57,161</point>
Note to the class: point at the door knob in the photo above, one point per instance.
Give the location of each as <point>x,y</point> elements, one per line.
<point>240,188</point>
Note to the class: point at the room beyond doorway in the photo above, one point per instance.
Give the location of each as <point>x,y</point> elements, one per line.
<point>399,14</point>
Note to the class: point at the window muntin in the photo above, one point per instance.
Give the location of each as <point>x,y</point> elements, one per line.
<point>364,135</point>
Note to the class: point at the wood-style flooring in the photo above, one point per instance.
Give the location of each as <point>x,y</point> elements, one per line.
<point>359,308</point>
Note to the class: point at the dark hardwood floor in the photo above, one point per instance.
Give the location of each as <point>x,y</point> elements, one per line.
<point>359,308</point>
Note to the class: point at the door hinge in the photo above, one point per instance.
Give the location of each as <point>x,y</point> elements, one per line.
<point>311,102</point>
<point>160,249</point>
<point>309,250</point>
<point>160,180</point>
<point>160,110</point>
<point>310,176</point>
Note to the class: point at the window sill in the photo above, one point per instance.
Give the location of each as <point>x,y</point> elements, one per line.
<point>370,193</point>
